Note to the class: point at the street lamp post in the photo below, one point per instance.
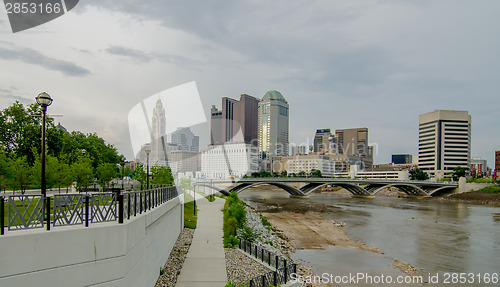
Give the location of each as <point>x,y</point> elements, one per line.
<point>147,166</point>
<point>44,100</point>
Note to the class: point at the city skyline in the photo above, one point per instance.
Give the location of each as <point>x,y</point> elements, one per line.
<point>386,64</point>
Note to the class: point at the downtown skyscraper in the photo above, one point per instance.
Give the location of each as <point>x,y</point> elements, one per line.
<point>273,125</point>
<point>444,142</point>
<point>233,117</point>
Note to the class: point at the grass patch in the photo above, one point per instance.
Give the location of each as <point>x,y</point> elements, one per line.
<point>189,212</point>
<point>490,189</point>
<point>481,180</point>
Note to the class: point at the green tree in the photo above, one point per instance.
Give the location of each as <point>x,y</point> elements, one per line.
<point>82,172</point>
<point>63,176</point>
<point>20,130</point>
<point>418,174</point>
<point>264,174</point>
<point>5,171</point>
<point>316,173</point>
<point>140,174</point>
<point>105,172</point>
<point>459,172</point>
<point>51,166</point>
<point>162,175</point>
<point>284,173</point>
<point>301,174</point>
<point>21,174</point>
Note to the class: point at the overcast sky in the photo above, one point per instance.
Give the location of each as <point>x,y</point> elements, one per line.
<point>339,64</point>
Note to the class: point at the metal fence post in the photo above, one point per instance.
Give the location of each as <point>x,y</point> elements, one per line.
<point>262,255</point>
<point>150,193</point>
<point>263,280</point>
<point>48,212</point>
<point>140,203</point>
<point>120,208</point>
<point>269,259</point>
<point>277,261</point>
<point>275,278</point>
<point>87,210</point>
<point>128,206</point>
<point>284,270</point>
<point>2,216</point>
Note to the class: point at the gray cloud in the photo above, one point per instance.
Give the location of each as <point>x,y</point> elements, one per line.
<point>135,55</point>
<point>34,57</point>
<point>138,56</point>
<point>13,93</point>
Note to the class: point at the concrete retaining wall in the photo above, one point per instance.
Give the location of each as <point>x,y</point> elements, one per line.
<point>104,254</point>
<point>464,186</point>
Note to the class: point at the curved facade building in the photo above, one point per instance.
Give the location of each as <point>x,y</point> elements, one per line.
<point>273,125</point>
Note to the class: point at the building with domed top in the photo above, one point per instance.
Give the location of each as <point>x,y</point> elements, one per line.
<point>273,123</point>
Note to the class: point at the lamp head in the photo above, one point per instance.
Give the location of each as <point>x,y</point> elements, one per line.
<point>44,99</point>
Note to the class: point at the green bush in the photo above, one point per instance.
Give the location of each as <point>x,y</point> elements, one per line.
<point>249,234</point>
<point>230,242</point>
<point>234,218</point>
<point>265,222</point>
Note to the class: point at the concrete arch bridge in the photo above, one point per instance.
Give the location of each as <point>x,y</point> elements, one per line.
<point>358,187</point>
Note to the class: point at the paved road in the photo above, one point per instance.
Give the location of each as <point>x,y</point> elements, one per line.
<point>205,264</point>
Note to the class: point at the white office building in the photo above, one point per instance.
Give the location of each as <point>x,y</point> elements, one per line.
<point>444,142</point>
<point>229,160</point>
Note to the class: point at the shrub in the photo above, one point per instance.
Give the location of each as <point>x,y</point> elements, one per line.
<point>234,217</point>
<point>247,233</point>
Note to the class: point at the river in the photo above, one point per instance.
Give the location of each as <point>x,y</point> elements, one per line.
<point>435,236</point>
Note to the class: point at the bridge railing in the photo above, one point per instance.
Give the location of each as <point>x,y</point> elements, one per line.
<point>284,268</point>
<point>18,212</point>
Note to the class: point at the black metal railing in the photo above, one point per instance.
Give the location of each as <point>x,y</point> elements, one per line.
<point>35,211</point>
<point>284,267</point>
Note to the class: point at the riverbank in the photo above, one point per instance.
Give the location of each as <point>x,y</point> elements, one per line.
<point>475,197</point>
<point>303,225</point>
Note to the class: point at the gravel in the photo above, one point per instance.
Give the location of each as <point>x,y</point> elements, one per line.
<point>241,268</point>
<point>176,259</point>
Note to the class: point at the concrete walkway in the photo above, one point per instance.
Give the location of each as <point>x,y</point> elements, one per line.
<point>205,263</point>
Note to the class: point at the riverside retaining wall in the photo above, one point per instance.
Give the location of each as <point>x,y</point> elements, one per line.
<point>104,254</point>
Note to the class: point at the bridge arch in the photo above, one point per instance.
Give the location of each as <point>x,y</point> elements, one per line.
<point>409,189</point>
<point>288,188</point>
<point>351,187</point>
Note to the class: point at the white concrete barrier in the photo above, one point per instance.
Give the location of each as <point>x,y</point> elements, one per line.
<point>104,254</point>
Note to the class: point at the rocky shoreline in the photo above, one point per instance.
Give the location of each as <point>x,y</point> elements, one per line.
<point>241,267</point>
<point>294,223</point>
<point>173,266</point>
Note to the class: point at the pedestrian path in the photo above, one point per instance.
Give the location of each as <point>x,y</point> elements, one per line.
<point>205,264</point>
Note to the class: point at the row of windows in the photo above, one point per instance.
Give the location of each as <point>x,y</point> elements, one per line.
<point>457,130</point>
<point>457,125</point>
<point>426,126</point>
<point>457,134</point>
<point>455,138</point>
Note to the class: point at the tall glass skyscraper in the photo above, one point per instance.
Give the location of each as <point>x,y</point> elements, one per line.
<point>273,125</point>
